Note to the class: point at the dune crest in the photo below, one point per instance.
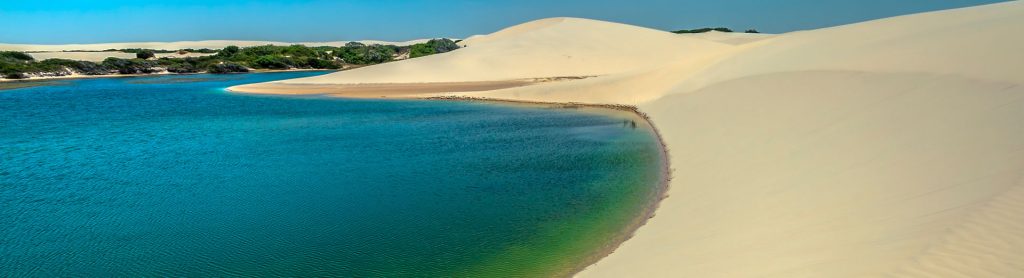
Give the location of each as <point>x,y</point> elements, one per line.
<point>889,147</point>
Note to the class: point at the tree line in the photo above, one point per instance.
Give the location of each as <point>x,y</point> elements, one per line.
<point>231,59</point>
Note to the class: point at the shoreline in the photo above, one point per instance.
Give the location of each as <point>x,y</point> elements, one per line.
<point>390,90</point>
<point>665,172</point>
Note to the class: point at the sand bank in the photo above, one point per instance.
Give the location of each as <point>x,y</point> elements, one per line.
<point>890,147</point>
<point>388,90</point>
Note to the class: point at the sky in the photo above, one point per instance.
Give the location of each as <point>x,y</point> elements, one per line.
<point>63,22</point>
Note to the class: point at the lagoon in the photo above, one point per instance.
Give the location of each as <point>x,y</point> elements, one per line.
<point>173,176</point>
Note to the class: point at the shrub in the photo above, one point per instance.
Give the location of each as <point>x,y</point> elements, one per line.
<point>420,50</point>
<point>443,45</point>
<point>298,50</point>
<point>320,64</point>
<point>229,51</point>
<point>226,67</point>
<point>15,55</point>
<point>262,50</point>
<point>129,66</point>
<point>271,62</point>
<point>703,30</point>
<point>182,68</point>
<point>145,54</point>
<point>15,75</point>
<point>433,46</point>
<point>751,31</point>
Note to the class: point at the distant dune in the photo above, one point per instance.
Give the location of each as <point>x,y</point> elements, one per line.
<point>211,44</point>
<point>892,147</point>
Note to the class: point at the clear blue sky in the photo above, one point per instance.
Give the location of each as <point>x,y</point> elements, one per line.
<point>55,21</point>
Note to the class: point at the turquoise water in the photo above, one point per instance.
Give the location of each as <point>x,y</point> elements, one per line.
<point>172,176</point>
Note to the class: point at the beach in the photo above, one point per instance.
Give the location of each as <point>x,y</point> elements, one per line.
<point>890,147</point>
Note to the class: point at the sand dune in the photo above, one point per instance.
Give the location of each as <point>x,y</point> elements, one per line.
<point>535,49</point>
<point>730,38</point>
<point>892,147</point>
<point>211,44</point>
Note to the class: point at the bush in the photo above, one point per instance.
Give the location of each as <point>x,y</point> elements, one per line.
<point>298,50</point>
<point>226,68</point>
<point>15,55</point>
<point>443,45</point>
<point>145,54</point>
<point>262,50</point>
<point>751,31</point>
<point>703,30</point>
<point>229,51</point>
<point>420,50</point>
<point>129,66</point>
<point>271,62</point>
<point>430,47</point>
<point>320,64</point>
<point>14,76</point>
<point>182,68</point>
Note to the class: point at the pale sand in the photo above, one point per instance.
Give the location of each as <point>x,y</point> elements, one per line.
<point>392,90</point>
<point>211,44</point>
<point>887,148</point>
<point>734,38</point>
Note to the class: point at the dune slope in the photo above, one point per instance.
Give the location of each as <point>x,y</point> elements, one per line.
<point>886,148</point>
<point>554,47</point>
<point>892,147</point>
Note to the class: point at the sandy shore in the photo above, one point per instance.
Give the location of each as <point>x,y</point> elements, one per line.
<point>886,148</point>
<point>388,90</point>
<point>396,90</point>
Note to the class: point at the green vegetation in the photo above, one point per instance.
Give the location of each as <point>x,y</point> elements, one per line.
<point>13,64</point>
<point>145,54</point>
<point>360,54</point>
<point>19,65</point>
<point>703,30</point>
<point>227,68</point>
<point>14,55</point>
<point>433,46</point>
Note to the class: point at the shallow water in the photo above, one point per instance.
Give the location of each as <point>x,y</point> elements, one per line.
<point>172,176</point>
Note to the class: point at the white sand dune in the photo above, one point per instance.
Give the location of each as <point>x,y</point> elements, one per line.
<point>892,147</point>
<point>730,38</point>
<point>552,47</point>
<point>211,44</point>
